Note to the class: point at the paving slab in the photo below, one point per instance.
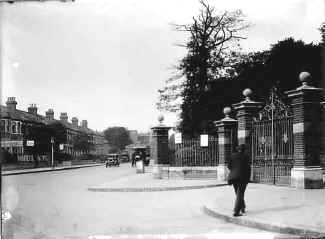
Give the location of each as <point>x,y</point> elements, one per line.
<point>274,208</point>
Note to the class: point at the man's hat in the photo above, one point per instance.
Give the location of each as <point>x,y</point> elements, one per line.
<point>241,147</point>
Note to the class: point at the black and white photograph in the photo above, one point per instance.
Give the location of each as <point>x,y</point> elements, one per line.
<point>162,119</point>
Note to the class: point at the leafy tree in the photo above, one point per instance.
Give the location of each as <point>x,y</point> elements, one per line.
<point>208,58</point>
<point>82,142</point>
<point>117,138</point>
<point>280,66</point>
<point>41,135</point>
<point>322,31</point>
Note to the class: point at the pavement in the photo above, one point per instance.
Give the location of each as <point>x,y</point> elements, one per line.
<point>285,210</point>
<point>47,169</point>
<point>274,208</point>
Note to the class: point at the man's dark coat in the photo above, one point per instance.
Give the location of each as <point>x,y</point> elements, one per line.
<point>239,167</point>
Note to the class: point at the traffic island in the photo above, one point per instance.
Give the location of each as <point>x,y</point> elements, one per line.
<point>146,183</point>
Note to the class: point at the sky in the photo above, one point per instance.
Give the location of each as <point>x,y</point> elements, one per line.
<point>104,60</point>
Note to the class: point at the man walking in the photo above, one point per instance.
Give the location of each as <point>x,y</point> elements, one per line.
<point>239,175</point>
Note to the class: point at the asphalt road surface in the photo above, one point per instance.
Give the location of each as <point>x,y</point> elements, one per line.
<point>58,205</point>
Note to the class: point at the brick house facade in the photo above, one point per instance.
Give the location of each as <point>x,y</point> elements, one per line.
<point>15,122</point>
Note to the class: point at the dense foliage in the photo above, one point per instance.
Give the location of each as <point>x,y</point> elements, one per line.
<point>41,135</point>
<point>82,142</point>
<point>117,138</point>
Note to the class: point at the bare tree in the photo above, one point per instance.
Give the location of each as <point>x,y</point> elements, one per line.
<point>212,47</point>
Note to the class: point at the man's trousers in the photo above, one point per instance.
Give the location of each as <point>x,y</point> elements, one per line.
<point>239,188</point>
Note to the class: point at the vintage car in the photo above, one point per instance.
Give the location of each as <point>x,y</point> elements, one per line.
<point>113,160</point>
<point>124,157</point>
<point>142,153</point>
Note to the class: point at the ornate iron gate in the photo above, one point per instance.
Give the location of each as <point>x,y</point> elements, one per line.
<point>272,142</point>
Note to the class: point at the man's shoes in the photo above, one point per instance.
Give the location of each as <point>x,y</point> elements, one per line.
<point>236,214</point>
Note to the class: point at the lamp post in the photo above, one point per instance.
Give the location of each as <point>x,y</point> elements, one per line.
<point>52,152</point>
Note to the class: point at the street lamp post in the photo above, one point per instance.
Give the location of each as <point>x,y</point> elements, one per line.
<point>52,152</point>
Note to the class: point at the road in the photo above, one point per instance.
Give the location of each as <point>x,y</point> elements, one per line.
<point>58,205</point>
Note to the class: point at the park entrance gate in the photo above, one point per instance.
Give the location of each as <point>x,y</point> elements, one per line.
<point>272,142</point>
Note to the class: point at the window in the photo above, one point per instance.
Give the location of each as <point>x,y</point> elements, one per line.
<point>18,127</point>
<point>15,127</point>
<point>7,126</point>
<point>3,126</point>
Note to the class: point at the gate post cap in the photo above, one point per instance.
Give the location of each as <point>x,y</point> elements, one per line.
<point>161,118</point>
<point>227,111</point>
<point>247,93</point>
<point>304,77</point>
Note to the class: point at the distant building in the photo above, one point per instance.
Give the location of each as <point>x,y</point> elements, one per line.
<point>133,136</point>
<point>14,125</point>
<point>144,138</point>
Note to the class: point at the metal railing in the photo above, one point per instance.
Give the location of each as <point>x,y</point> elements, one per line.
<point>190,153</point>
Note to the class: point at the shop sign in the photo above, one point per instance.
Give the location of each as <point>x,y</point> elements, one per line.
<point>30,143</point>
<point>178,138</point>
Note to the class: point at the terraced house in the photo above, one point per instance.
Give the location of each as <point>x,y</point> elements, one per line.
<point>27,135</point>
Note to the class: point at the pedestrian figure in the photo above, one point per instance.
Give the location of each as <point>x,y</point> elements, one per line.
<point>138,156</point>
<point>240,170</point>
<point>133,159</point>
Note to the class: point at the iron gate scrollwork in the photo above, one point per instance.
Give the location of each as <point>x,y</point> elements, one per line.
<point>272,142</point>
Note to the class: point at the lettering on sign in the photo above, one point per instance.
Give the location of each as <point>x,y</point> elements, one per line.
<point>298,128</point>
<point>204,140</point>
<point>30,143</point>
<point>178,138</point>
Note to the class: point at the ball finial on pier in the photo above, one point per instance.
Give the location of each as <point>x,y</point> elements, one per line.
<point>227,111</point>
<point>247,93</point>
<point>304,77</point>
<point>161,118</point>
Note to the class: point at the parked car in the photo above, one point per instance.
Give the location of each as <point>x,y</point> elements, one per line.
<point>142,152</point>
<point>113,160</point>
<point>124,157</point>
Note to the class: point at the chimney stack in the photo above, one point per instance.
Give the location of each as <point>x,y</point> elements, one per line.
<point>64,117</point>
<point>84,124</point>
<point>74,121</point>
<point>11,103</point>
<point>32,109</point>
<point>49,114</point>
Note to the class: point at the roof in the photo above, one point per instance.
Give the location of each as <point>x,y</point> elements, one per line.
<point>40,119</point>
<point>70,126</point>
<point>21,115</point>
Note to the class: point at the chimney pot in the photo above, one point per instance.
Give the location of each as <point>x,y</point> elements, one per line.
<point>11,103</point>
<point>49,114</point>
<point>64,117</point>
<point>74,121</point>
<point>84,123</point>
<point>32,109</point>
